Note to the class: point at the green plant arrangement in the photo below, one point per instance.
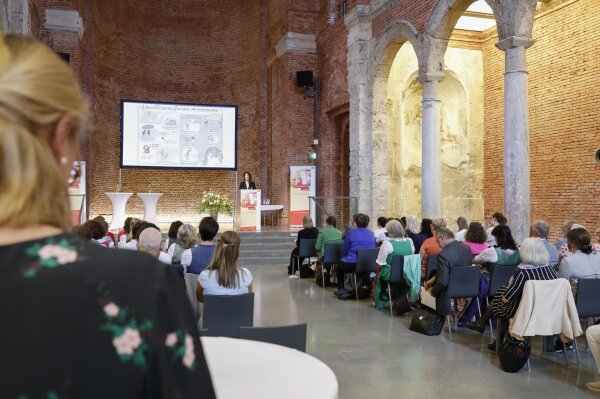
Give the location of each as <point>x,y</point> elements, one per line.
<point>214,203</point>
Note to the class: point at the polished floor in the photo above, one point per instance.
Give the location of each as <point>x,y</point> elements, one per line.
<point>376,356</point>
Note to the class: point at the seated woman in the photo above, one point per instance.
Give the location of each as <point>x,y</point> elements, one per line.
<point>582,263</point>
<point>564,251</point>
<point>535,265</point>
<point>172,235</point>
<point>329,235</point>
<point>359,238</point>
<point>196,259</point>
<point>412,230</point>
<point>186,239</point>
<point>425,233</point>
<point>380,232</point>
<point>308,232</point>
<point>504,253</point>
<point>476,238</point>
<point>132,239</point>
<point>396,244</point>
<point>430,246</point>
<point>223,276</point>
<point>124,232</point>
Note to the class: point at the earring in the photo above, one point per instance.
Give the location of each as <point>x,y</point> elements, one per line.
<point>63,160</point>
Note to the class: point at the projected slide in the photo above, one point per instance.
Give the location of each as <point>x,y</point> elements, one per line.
<point>162,135</point>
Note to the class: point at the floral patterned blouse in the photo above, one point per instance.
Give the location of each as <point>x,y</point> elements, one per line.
<point>81,321</point>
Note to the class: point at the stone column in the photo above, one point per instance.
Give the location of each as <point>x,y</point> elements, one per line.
<point>431,175</point>
<point>516,136</point>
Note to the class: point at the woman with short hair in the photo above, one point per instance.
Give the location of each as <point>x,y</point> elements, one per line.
<point>172,235</point>
<point>476,238</point>
<point>505,252</point>
<point>581,263</point>
<point>430,246</point>
<point>309,232</point>
<point>187,237</point>
<point>118,319</point>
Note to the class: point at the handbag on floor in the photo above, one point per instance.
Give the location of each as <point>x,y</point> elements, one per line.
<point>426,322</point>
<point>513,354</point>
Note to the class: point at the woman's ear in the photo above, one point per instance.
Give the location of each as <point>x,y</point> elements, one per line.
<point>64,144</point>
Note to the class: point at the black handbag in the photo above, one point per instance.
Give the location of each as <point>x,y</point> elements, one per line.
<point>513,354</point>
<point>426,322</point>
<point>400,305</point>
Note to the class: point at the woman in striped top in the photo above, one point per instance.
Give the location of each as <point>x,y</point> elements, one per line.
<point>535,265</point>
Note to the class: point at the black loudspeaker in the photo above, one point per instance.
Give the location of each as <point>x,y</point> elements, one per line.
<point>66,57</point>
<point>305,79</point>
<point>598,156</point>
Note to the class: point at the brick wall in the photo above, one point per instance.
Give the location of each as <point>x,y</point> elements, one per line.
<point>564,121</point>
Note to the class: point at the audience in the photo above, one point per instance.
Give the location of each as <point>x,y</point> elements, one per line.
<point>223,276</point>
<point>94,231</point>
<point>541,229</point>
<point>134,227</point>
<point>124,232</point>
<point>504,253</point>
<point>150,241</point>
<point>581,263</point>
<point>196,259</point>
<point>497,219</point>
<point>105,315</point>
<point>308,232</point>
<point>476,238</point>
<point>430,246</point>
<point>535,265</point>
<point>172,235</point>
<point>564,250</point>
<point>329,235</point>
<point>108,236</point>
<point>412,230</point>
<point>187,238</point>
<point>424,234</point>
<point>359,238</point>
<point>566,227</point>
<point>463,226</point>
<point>379,233</point>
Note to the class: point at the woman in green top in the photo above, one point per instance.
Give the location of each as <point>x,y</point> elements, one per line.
<point>328,235</point>
<point>396,244</point>
<point>505,252</point>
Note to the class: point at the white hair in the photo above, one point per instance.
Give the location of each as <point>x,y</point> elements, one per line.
<point>412,224</point>
<point>534,252</point>
<point>394,229</point>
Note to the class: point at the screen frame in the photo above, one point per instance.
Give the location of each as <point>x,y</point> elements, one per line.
<point>235,140</point>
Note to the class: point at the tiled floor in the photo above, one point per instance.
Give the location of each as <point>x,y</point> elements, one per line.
<point>376,356</point>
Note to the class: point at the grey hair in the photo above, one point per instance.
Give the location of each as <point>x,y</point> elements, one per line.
<point>412,225</point>
<point>394,229</point>
<point>186,235</point>
<point>542,228</point>
<point>462,223</point>
<point>534,252</point>
<point>438,223</point>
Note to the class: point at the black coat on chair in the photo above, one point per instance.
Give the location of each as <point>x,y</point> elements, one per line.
<point>454,254</point>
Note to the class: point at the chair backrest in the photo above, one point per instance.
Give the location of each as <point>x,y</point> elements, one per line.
<point>224,314</point>
<point>191,280</point>
<point>366,260</point>
<point>333,253</point>
<point>293,336</point>
<point>588,297</point>
<point>431,265</point>
<point>307,248</point>
<point>500,277</point>
<point>397,270</point>
<point>464,282</point>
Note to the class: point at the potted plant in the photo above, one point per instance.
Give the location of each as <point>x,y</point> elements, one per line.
<point>214,203</point>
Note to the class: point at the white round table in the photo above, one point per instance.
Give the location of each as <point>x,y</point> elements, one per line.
<point>118,200</point>
<point>150,200</point>
<point>251,369</point>
<point>271,209</point>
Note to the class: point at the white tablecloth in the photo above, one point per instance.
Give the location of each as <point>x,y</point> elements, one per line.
<point>266,208</point>
<point>242,369</point>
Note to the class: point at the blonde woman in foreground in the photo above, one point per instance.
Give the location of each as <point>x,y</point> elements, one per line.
<point>77,319</point>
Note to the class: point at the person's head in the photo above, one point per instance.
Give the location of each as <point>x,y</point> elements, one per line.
<point>360,220</point>
<point>381,221</point>
<point>533,252</point>
<point>412,224</point>
<point>403,221</point>
<point>503,237</point>
<point>476,233</point>
<point>566,227</point>
<point>174,228</point>
<point>43,114</point>
<point>134,228</point>
<point>579,239</point>
<point>426,227</point>
<point>540,229</point>
<point>247,176</point>
<point>307,222</point>
<point>208,228</point>
<point>92,230</point>
<point>127,225</point>
<point>394,229</point>
<point>331,221</point>
<point>462,224</point>
<point>225,258</point>
<point>187,236</point>
<point>437,224</point>
<point>598,234</point>
<point>103,222</point>
<point>498,219</point>
<point>444,236</point>
<point>150,241</point>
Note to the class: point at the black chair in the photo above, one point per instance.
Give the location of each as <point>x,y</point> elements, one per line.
<point>464,283</point>
<point>333,254</point>
<point>587,301</point>
<point>306,250</point>
<point>396,276</point>
<point>293,336</point>
<point>499,278</point>
<point>366,262</point>
<point>224,314</point>
<point>431,266</point>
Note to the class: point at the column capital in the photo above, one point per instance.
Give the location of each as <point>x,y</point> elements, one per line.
<point>431,77</point>
<point>358,15</point>
<point>515,41</point>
